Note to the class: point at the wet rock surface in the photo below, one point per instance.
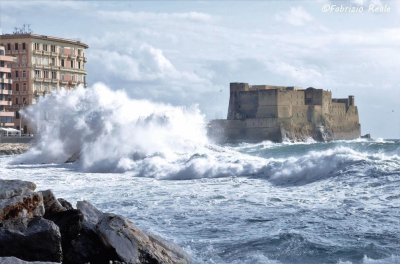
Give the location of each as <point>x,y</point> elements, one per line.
<point>36,226</point>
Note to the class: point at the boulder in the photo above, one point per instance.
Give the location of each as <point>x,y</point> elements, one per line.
<point>18,201</point>
<point>67,205</point>
<point>88,246</point>
<point>39,241</point>
<point>14,260</point>
<point>91,215</point>
<point>51,204</point>
<point>11,188</point>
<point>134,246</point>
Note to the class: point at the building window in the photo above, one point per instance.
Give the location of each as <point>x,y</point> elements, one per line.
<point>53,75</point>
<point>8,46</point>
<point>37,73</point>
<point>36,46</point>
<point>53,61</point>
<point>46,74</point>
<point>24,85</point>
<point>72,64</point>
<point>24,101</point>
<point>17,87</point>
<point>16,46</point>
<point>23,46</point>
<point>17,115</point>
<point>53,48</point>
<point>79,64</point>
<point>23,74</point>
<point>16,74</point>
<point>62,63</point>
<point>16,100</point>
<point>45,47</point>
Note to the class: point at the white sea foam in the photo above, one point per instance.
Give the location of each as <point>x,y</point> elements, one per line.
<point>113,133</point>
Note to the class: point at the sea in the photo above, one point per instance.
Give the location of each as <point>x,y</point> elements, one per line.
<point>290,202</point>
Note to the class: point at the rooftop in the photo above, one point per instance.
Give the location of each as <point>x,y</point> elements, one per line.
<point>43,37</point>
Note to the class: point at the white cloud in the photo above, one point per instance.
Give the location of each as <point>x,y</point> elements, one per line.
<point>296,16</point>
<point>300,75</point>
<point>129,16</point>
<point>144,63</point>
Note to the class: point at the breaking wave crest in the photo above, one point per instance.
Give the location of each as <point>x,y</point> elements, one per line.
<point>109,132</point>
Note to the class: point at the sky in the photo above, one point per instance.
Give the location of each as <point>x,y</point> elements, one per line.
<point>187,52</point>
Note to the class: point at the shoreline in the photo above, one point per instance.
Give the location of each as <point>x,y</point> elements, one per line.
<point>14,148</point>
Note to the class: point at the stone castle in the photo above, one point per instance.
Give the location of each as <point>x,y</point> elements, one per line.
<point>279,113</point>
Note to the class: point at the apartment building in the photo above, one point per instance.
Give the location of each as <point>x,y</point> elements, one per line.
<point>6,117</point>
<point>43,64</point>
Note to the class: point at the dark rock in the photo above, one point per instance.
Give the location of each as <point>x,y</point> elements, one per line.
<point>70,225</point>
<point>14,260</point>
<point>39,241</point>
<point>51,204</point>
<point>134,246</point>
<point>67,205</point>
<point>91,215</point>
<point>88,246</point>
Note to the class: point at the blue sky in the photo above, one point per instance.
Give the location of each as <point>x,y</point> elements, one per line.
<point>187,52</point>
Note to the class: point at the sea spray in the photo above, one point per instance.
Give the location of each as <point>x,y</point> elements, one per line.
<point>106,131</point>
<point>109,130</point>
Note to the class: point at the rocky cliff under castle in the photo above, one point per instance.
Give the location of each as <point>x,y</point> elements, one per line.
<point>279,113</point>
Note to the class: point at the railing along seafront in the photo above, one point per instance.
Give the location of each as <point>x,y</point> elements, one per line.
<point>16,138</point>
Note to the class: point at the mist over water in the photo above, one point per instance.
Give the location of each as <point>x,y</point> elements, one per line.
<point>304,202</point>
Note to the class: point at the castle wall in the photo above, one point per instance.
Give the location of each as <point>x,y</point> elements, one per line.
<point>275,113</point>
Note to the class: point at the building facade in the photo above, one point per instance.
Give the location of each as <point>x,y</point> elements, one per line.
<point>278,113</point>
<point>43,64</point>
<point>6,116</point>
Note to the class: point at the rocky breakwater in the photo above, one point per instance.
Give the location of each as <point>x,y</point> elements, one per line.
<point>35,226</point>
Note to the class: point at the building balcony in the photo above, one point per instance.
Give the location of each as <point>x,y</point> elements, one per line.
<point>5,80</point>
<point>5,113</point>
<point>47,80</point>
<point>5,69</point>
<point>6,92</point>
<point>7,58</point>
<point>6,103</point>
